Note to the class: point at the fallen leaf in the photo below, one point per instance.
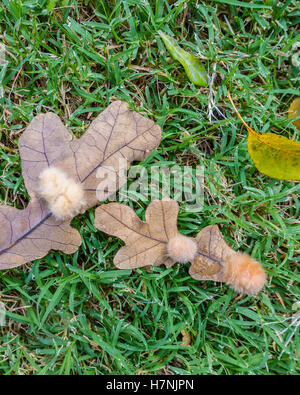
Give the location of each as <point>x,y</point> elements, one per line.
<point>274,155</point>
<point>294,112</point>
<point>192,65</point>
<point>31,233</point>
<point>214,252</point>
<point>116,133</point>
<point>144,288</point>
<point>145,241</point>
<point>216,261</point>
<point>186,338</point>
<point>157,241</point>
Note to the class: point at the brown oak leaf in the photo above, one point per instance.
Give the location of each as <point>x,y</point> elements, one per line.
<point>157,241</point>
<point>214,254</point>
<point>145,241</point>
<point>116,133</point>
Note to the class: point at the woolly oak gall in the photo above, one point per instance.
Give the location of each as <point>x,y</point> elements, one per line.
<point>64,196</point>
<point>181,248</point>
<point>244,274</point>
<point>157,241</point>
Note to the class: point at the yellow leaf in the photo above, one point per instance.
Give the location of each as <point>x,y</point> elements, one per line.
<point>274,155</point>
<point>294,112</point>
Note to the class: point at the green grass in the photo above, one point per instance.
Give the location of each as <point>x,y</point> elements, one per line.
<point>80,315</point>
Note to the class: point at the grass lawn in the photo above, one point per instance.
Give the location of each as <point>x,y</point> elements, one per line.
<point>78,314</point>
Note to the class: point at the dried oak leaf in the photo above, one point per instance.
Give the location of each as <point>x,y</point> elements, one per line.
<point>214,253</point>
<point>46,143</point>
<point>157,241</point>
<point>145,241</point>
